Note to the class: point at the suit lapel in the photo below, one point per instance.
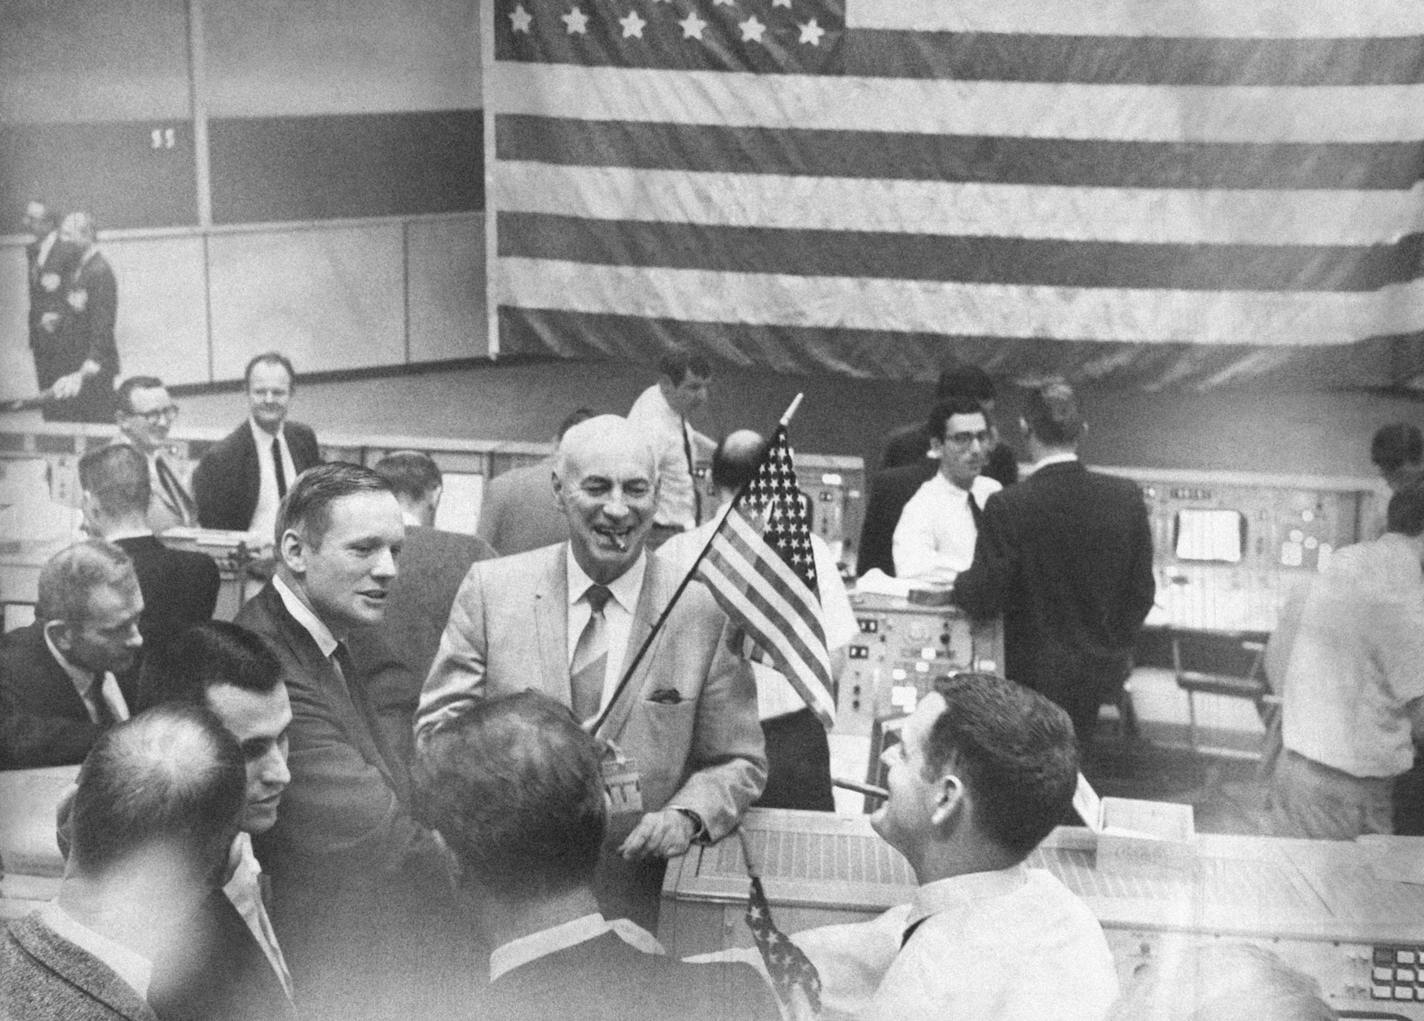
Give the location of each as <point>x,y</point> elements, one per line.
<point>650,603</point>
<point>551,620</point>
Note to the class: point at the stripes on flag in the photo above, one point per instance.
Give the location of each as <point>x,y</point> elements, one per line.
<point>748,174</point>
<point>767,586</point>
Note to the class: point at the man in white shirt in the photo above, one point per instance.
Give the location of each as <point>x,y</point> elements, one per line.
<point>934,539</point>
<point>157,806</point>
<point>145,413</point>
<point>797,753</point>
<point>985,770</point>
<point>242,973</point>
<point>662,410</point>
<point>514,787</point>
<point>59,685</point>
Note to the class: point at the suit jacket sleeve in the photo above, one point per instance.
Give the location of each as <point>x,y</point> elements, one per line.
<point>457,677</point>
<point>728,755</point>
<point>1142,583</point>
<point>983,589</point>
<point>213,482</point>
<point>29,739</point>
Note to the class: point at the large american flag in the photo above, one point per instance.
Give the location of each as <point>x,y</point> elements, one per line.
<point>760,567</point>
<point>859,180</point>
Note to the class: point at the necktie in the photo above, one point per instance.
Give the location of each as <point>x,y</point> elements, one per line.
<point>277,466</point>
<point>692,475</point>
<point>974,511</point>
<point>178,498</point>
<point>107,716</point>
<point>590,661</point>
<point>341,657</point>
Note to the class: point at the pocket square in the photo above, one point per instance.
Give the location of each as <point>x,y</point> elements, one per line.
<point>666,696</point>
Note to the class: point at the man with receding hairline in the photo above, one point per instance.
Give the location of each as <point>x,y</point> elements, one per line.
<point>145,413</point>
<point>569,619</point>
<point>79,358</point>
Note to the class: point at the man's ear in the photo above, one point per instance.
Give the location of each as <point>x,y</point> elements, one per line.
<point>558,490</point>
<point>949,799</point>
<point>293,550</point>
<point>61,634</point>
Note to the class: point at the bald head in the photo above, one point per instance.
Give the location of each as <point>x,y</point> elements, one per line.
<point>735,461</point>
<point>605,482</point>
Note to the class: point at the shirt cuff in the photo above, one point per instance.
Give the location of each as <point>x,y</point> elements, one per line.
<point>699,828</point>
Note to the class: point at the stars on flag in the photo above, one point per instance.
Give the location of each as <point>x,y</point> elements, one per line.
<point>810,31</point>
<point>576,21</point>
<point>520,18</point>
<point>758,23</point>
<point>752,30</point>
<point>692,26</point>
<point>633,25</point>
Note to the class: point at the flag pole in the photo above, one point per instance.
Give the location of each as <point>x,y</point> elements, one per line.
<point>598,721</point>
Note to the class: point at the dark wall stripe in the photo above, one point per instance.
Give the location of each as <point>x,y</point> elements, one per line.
<point>354,165</point>
<point>663,43</point>
<point>881,354</point>
<point>120,171</point>
<point>916,157</point>
<point>958,259</point>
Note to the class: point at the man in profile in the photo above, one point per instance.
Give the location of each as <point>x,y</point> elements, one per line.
<point>1066,557</point>
<point>145,414</point>
<point>59,676</point>
<point>240,481</point>
<point>661,411</point>
<point>81,357</point>
<point>519,512</point>
<point>157,806</point>
<point>984,771</point>
<point>179,587</point>
<point>513,785</point>
<point>47,262</point>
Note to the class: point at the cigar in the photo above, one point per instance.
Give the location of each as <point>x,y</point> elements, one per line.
<point>619,543</point>
<point>862,788</point>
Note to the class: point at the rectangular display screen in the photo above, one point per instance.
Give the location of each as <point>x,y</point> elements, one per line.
<point>1211,535</point>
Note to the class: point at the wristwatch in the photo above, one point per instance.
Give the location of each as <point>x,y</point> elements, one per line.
<point>699,830</point>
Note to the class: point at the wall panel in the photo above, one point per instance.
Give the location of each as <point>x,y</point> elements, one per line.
<point>17,368</point>
<point>331,298</point>
<point>162,328</point>
<point>446,277</point>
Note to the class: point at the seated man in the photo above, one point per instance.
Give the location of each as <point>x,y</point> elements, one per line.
<point>179,587</point>
<point>145,414</point>
<point>513,785</point>
<point>58,688</point>
<point>240,972</point>
<point>1220,981</point>
<point>985,770</point>
<point>156,809</point>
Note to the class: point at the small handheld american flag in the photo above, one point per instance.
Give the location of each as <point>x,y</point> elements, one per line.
<point>793,976</point>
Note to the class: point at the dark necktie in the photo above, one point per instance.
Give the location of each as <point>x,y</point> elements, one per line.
<point>691,474</point>
<point>342,658</point>
<point>974,510</point>
<point>178,497</point>
<point>277,466</point>
<point>105,712</point>
<point>590,662</point>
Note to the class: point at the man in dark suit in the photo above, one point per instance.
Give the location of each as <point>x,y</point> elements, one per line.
<point>235,970</point>
<point>568,620</point>
<point>179,587</point>
<point>240,481</point>
<point>518,512</point>
<point>396,654</point>
<point>145,414</point>
<point>58,689</point>
<point>513,785</point>
<point>47,262</point>
<point>1066,557</point>
<point>906,465</point>
<point>80,359</point>
<point>156,808</point>
<point>359,888</point>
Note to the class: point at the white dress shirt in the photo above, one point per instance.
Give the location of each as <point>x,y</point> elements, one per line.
<point>264,515</point>
<point>511,955</point>
<point>244,890</point>
<point>134,969</point>
<point>91,686</point>
<point>617,615</point>
<point>936,532</point>
<point>671,438</point>
<point>321,634</point>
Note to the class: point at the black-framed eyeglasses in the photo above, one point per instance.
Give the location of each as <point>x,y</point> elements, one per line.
<point>165,414</point>
<point>965,438</point>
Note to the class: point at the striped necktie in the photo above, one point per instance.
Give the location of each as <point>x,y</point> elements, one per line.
<point>178,499</point>
<point>590,662</point>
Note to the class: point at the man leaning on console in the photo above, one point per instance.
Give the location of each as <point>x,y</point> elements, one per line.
<point>251,838</point>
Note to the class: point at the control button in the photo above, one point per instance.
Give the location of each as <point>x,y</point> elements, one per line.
<point>1404,975</point>
<point>898,674</point>
<point>928,652</point>
<point>921,667</point>
<point>1404,992</point>
<point>1383,974</point>
<point>1381,992</point>
<point>1384,955</point>
<point>1405,957</point>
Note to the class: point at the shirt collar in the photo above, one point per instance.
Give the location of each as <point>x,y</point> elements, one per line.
<point>321,634</point>
<point>134,969</point>
<point>128,533</point>
<point>84,680</point>
<point>1062,457</point>
<point>951,489</point>
<point>945,894</point>
<point>261,436</point>
<point>511,955</point>
<point>625,588</point>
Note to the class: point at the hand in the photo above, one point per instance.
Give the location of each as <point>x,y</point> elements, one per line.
<point>68,386</point>
<point>664,834</point>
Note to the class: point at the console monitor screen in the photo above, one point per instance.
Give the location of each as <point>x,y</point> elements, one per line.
<point>1211,535</point>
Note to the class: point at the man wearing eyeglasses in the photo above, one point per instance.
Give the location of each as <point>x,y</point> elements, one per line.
<point>935,537</point>
<point>145,414</point>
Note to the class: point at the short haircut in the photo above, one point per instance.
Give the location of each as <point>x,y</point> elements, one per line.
<point>513,785</point>
<point>205,656</point>
<point>68,577</point>
<point>733,469</point>
<point>946,408</point>
<point>306,509</point>
<point>966,381</point>
<point>411,474</point>
<point>270,358</point>
<point>572,419</point>
<point>1395,446</point>
<point>1405,513</point>
<point>117,475</point>
<point>128,386</point>
<point>1052,414</point>
<point>1013,749</point>
<point>678,365</point>
<point>82,223</point>
<point>1220,981</point>
<point>171,778</point>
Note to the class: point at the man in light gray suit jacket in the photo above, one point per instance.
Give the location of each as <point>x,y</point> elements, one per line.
<point>688,716</point>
